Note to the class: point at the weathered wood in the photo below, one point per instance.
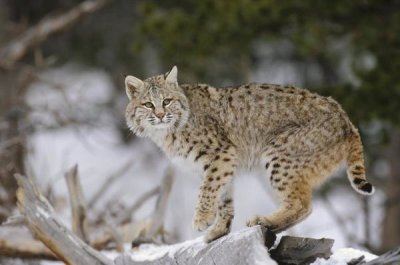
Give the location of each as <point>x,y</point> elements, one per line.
<point>244,247</point>
<point>43,223</point>
<point>299,250</point>
<point>161,205</point>
<point>14,220</point>
<point>155,224</point>
<point>25,249</point>
<point>78,205</point>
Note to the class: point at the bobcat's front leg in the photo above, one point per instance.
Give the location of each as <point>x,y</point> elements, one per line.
<point>216,185</point>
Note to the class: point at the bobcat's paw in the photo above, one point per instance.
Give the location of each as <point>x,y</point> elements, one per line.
<point>202,220</point>
<point>260,220</point>
<point>216,232</point>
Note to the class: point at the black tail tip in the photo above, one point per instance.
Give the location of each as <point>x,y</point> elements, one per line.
<point>363,186</point>
<point>367,187</point>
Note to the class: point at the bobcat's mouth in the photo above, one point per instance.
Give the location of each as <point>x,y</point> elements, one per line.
<point>161,125</point>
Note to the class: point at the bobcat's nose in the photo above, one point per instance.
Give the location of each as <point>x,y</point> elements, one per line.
<point>160,115</point>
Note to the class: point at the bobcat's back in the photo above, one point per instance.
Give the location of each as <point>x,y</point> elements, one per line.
<point>251,116</point>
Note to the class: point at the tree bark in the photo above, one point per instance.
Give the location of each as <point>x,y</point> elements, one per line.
<point>12,135</point>
<point>391,223</point>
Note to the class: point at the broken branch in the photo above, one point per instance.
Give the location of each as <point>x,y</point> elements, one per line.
<point>37,34</point>
<point>39,215</point>
<point>78,206</point>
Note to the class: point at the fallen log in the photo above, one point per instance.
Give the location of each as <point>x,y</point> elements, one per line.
<point>43,223</point>
<point>244,247</point>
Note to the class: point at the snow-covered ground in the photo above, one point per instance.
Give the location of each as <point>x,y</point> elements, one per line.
<point>148,252</point>
<point>99,152</point>
<point>342,256</point>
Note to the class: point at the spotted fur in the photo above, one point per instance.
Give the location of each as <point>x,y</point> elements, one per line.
<point>296,136</point>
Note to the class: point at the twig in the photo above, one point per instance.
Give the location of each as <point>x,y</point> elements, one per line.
<point>37,34</point>
<point>162,202</point>
<point>116,236</point>
<point>126,215</point>
<point>26,249</point>
<point>107,184</point>
<point>78,206</point>
<point>15,220</point>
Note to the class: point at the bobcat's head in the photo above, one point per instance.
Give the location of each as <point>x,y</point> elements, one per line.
<point>156,104</point>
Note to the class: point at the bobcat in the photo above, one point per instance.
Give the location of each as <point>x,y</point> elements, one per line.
<point>297,137</point>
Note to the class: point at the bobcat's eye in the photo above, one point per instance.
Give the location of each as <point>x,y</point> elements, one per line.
<point>167,101</point>
<point>148,105</point>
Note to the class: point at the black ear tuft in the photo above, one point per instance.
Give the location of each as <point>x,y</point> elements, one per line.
<point>367,187</point>
<point>123,75</point>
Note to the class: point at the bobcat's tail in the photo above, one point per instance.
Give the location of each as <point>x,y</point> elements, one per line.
<point>355,166</point>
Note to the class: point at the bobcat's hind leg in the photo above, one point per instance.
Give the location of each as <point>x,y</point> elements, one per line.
<point>292,211</point>
<point>294,192</point>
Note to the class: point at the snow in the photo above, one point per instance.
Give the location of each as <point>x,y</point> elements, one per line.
<point>149,252</point>
<point>343,255</point>
<point>248,241</point>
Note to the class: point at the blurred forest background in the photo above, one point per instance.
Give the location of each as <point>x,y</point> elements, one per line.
<point>61,91</point>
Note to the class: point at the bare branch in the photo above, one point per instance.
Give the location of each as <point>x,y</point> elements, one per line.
<point>47,228</point>
<point>126,215</point>
<point>107,184</point>
<point>78,206</point>
<point>37,34</point>
<point>156,221</point>
<point>15,220</point>
<point>25,249</point>
<point>162,202</point>
<point>116,236</point>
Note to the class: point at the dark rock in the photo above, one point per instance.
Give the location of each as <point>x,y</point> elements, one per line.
<point>299,250</point>
<point>357,261</point>
<point>270,238</point>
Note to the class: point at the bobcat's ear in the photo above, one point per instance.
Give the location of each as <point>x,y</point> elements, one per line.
<point>172,76</point>
<point>132,85</point>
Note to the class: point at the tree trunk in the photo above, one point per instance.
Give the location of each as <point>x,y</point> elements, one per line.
<point>391,225</point>
<point>12,136</point>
